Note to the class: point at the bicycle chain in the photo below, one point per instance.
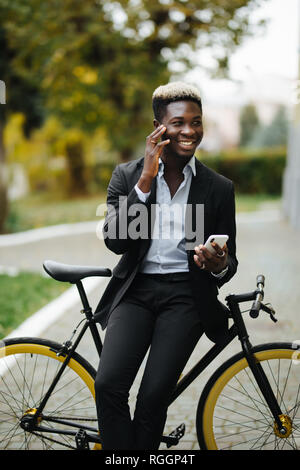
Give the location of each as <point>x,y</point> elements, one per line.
<point>53,440</point>
<point>71,418</point>
<point>59,442</point>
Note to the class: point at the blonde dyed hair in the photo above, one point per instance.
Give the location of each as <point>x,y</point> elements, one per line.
<point>174,91</point>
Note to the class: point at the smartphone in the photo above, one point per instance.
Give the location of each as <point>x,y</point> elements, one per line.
<point>219,239</point>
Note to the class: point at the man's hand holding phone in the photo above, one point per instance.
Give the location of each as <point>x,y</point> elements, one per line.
<point>154,149</point>
<point>212,256</point>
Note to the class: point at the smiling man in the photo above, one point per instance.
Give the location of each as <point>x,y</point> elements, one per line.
<point>163,293</point>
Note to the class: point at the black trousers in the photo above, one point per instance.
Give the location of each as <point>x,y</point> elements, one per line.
<point>157,312</point>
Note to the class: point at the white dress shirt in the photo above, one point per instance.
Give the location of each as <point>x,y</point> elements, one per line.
<point>167,251</point>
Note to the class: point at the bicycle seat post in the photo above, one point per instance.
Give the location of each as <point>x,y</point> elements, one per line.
<point>89,316</point>
<point>86,306</point>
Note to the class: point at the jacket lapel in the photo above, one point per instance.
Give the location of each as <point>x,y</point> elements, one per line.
<point>144,246</point>
<point>195,214</point>
<point>197,198</point>
<point>200,185</point>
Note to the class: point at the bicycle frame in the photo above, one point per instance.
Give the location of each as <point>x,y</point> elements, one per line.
<point>30,422</point>
<point>237,329</point>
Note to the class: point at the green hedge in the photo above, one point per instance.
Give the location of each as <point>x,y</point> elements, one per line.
<point>252,172</point>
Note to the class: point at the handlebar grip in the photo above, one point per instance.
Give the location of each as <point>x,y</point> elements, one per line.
<point>254,312</point>
<point>256,306</point>
<point>260,279</point>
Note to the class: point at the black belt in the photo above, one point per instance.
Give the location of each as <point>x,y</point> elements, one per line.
<point>182,276</point>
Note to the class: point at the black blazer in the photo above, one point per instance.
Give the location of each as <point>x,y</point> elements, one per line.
<point>207,187</point>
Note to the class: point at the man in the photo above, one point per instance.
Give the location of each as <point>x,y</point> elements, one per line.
<point>163,293</point>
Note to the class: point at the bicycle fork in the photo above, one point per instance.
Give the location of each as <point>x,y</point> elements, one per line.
<point>282,424</point>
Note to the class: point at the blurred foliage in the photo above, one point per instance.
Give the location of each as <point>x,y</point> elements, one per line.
<point>42,209</point>
<point>274,134</point>
<point>95,64</point>
<point>44,156</point>
<point>24,294</point>
<point>23,91</point>
<point>254,134</point>
<point>252,171</point>
<point>249,122</point>
<point>98,62</point>
<point>22,94</point>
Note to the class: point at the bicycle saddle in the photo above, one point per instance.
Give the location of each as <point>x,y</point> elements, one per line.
<point>71,273</point>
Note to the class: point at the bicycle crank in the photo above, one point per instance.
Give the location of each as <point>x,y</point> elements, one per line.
<point>286,427</point>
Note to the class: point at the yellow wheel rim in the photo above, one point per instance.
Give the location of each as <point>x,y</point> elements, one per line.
<point>221,382</point>
<point>46,351</point>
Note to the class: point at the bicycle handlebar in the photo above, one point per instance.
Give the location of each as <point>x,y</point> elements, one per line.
<point>257,296</point>
<point>260,283</point>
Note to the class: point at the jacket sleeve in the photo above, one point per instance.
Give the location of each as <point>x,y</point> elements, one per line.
<point>226,224</point>
<point>120,202</point>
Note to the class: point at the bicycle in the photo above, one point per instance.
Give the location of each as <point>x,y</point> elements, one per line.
<point>250,402</point>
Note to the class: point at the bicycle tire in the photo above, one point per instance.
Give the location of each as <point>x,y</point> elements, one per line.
<point>27,367</point>
<point>233,415</point>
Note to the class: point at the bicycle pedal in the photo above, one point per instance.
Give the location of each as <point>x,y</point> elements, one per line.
<point>173,438</point>
<point>81,440</point>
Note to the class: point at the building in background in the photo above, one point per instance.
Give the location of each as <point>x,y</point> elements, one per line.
<point>291,180</point>
<point>222,107</point>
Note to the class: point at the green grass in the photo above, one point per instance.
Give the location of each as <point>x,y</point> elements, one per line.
<point>37,210</point>
<point>23,295</point>
<point>250,202</point>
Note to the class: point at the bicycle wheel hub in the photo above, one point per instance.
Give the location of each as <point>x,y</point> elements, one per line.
<point>28,420</point>
<point>286,429</point>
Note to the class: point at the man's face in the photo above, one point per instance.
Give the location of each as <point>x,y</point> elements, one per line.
<point>183,120</point>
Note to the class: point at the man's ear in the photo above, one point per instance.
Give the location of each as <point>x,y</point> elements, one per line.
<point>156,123</point>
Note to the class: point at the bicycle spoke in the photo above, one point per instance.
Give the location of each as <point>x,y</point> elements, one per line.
<point>296,406</point>
<point>242,418</point>
<point>254,400</point>
<point>244,404</point>
<point>267,430</point>
<point>236,444</point>
<point>276,383</point>
<point>25,379</point>
<point>230,423</point>
<point>235,412</point>
<point>257,389</point>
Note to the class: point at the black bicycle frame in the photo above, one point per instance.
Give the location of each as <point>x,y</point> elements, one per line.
<point>254,365</point>
<point>237,329</point>
<point>201,365</point>
<point>68,352</point>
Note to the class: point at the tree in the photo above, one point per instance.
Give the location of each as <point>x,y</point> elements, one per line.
<point>249,123</point>
<point>22,94</point>
<point>274,134</point>
<point>97,62</point>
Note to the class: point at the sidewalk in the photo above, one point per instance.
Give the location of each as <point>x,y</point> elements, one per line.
<point>266,244</point>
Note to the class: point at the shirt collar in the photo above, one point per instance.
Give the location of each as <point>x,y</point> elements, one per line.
<point>191,163</point>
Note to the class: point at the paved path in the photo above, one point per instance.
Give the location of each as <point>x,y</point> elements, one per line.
<point>266,245</point>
